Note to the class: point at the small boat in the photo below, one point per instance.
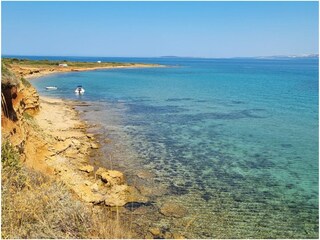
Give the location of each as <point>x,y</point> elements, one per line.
<point>79,90</point>
<point>51,88</point>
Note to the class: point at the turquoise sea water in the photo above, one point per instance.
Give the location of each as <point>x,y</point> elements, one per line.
<point>235,141</point>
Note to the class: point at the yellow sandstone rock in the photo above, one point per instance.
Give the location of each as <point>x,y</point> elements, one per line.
<point>86,168</point>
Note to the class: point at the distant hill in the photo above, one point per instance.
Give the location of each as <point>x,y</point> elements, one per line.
<point>170,57</point>
<point>290,56</point>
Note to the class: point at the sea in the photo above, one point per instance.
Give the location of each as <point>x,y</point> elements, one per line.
<point>235,142</point>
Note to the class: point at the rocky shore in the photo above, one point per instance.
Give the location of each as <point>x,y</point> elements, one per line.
<point>68,152</point>
<point>51,138</point>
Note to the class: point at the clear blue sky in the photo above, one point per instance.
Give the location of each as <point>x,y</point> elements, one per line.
<point>199,29</point>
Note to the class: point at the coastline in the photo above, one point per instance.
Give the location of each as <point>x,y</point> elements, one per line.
<point>66,154</point>
<point>59,145</point>
<point>67,145</point>
<point>70,148</point>
<point>30,72</point>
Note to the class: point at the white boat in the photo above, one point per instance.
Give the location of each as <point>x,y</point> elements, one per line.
<point>51,88</point>
<point>79,90</point>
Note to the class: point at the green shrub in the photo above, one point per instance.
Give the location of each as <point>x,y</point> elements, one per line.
<point>27,116</point>
<point>9,156</point>
<point>25,82</point>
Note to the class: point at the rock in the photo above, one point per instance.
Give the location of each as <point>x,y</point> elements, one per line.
<point>160,190</point>
<point>167,235</point>
<point>177,236</point>
<point>145,175</point>
<point>100,171</point>
<point>155,231</point>
<point>86,168</point>
<point>76,143</point>
<point>110,176</point>
<point>61,147</point>
<point>90,135</point>
<point>94,146</point>
<point>148,236</point>
<point>87,183</point>
<point>72,153</point>
<point>116,197</point>
<point>95,187</point>
<point>85,193</point>
<point>133,195</point>
<point>119,195</point>
<point>171,209</point>
<point>114,177</point>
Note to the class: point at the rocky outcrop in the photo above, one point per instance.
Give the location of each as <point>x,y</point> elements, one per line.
<point>19,102</point>
<point>86,168</point>
<point>110,177</point>
<point>8,94</point>
<point>29,100</point>
<point>17,96</point>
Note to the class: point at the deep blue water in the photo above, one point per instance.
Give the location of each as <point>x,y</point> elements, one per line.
<point>233,140</point>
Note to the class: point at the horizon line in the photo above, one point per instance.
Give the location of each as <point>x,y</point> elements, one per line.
<point>169,56</point>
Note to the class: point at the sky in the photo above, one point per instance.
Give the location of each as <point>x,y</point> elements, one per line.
<point>152,29</point>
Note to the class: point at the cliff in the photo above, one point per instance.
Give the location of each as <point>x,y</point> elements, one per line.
<point>46,189</point>
<point>19,102</point>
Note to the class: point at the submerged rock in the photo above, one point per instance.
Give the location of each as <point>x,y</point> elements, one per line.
<point>160,190</point>
<point>171,209</point>
<point>145,174</point>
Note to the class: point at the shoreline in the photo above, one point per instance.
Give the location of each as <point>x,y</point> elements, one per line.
<point>47,73</point>
<point>82,175</point>
<point>35,69</point>
<point>60,146</point>
<point>70,152</point>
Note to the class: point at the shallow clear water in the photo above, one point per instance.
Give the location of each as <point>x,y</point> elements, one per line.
<point>233,140</point>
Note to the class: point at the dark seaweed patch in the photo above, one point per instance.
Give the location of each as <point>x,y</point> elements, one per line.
<point>206,196</point>
<point>148,109</point>
<point>178,99</point>
<point>237,102</point>
<point>134,205</point>
<point>286,145</point>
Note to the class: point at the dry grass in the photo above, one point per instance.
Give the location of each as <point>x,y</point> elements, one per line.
<point>36,206</point>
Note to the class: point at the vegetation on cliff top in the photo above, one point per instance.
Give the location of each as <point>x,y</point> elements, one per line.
<point>7,77</point>
<point>55,63</point>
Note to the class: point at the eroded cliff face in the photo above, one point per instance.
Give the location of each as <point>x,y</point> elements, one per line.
<point>19,103</point>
